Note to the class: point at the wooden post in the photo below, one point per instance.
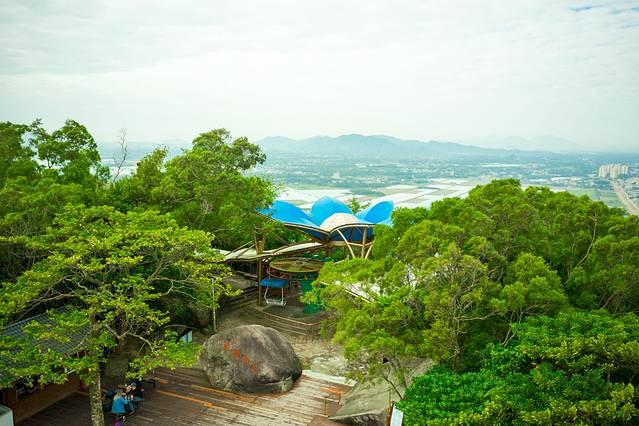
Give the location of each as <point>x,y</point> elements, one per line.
<point>259,282</point>
<point>259,249</point>
<point>214,310</point>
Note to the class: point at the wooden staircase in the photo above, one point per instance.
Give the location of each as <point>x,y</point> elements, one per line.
<point>247,302</point>
<point>285,325</point>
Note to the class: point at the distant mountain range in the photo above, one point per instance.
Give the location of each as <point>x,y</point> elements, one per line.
<point>540,143</point>
<point>379,146</point>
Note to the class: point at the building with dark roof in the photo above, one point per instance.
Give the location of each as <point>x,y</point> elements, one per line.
<point>26,400</point>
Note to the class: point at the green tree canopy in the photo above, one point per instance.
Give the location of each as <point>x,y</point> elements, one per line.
<point>530,288</point>
<point>69,150</point>
<point>458,275</point>
<point>16,156</point>
<point>204,188</point>
<point>40,173</point>
<point>577,368</point>
<point>109,269</point>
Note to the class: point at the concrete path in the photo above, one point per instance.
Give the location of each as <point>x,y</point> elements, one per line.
<point>628,204</point>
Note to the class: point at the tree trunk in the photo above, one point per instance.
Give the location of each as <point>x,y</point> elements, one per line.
<point>95,385</point>
<point>95,396</point>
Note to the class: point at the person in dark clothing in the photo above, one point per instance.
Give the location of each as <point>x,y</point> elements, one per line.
<point>134,395</point>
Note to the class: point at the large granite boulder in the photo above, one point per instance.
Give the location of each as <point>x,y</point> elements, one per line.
<point>250,358</point>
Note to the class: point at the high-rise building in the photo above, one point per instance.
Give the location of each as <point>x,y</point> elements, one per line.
<point>603,170</point>
<point>613,171</point>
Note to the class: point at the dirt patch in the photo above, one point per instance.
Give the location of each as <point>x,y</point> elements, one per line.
<point>319,355</point>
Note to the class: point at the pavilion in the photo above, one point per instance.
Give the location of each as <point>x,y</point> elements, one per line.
<point>329,224</point>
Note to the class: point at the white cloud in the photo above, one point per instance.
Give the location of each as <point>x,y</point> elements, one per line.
<point>418,69</point>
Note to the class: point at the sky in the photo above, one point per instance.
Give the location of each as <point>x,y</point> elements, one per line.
<point>463,70</point>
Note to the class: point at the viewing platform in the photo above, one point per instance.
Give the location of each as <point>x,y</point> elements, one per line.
<point>184,397</point>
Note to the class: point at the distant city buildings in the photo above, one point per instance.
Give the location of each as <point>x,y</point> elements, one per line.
<point>612,171</point>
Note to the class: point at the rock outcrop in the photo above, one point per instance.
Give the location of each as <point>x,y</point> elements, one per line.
<point>367,404</point>
<point>250,358</point>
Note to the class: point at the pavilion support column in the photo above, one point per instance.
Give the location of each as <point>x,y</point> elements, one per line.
<point>363,252</point>
<point>350,249</point>
<point>370,248</point>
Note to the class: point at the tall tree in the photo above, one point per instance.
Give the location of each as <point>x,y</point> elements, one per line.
<point>457,294</point>
<point>387,313</point>
<point>379,319</point>
<point>206,187</point>
<point>71,150</point>
<point>44,172</point>
<point>16,156</point>
<point>531,288</point>
<point>109,269</point>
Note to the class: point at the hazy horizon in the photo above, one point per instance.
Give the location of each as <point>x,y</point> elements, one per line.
<point>484,74</point>
<point>542,144</point>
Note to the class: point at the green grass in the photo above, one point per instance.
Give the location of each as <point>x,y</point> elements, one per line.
<point>608,196</point>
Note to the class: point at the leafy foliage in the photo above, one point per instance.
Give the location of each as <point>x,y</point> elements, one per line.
<point>113,267</point>
<point>40,173</point>
<point>204,188</point>
<point>575,368</point>
<point>109,266</point>
<point>109,269</point>
<point>511,291</point>
<point>448,282</point>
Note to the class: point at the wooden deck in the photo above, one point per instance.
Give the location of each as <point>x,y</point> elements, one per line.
<point>184,397</point>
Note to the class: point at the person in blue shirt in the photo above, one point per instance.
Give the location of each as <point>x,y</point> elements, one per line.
<point>118,407</point>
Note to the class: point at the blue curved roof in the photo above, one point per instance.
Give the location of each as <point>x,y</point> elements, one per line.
<point>331,220</point>
<point>325,207</point>
<point>380,213</point>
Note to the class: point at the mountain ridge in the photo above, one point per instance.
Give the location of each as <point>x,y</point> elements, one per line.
<point>379,145</point>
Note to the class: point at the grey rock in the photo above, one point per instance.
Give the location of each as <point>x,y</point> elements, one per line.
<point>250,358</point>
<point>369,403</point>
